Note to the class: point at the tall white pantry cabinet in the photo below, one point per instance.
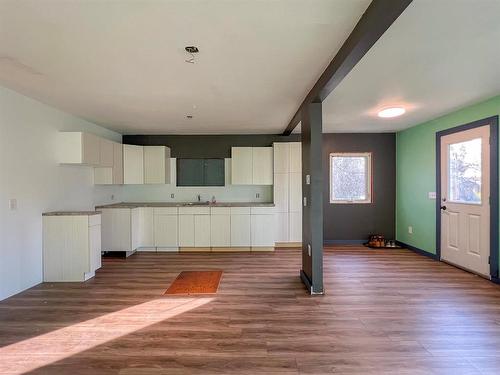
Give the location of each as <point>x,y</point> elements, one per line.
<point>288,191</point>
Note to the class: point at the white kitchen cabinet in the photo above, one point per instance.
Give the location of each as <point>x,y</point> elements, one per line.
<point>220,227</point>
<point>117,230</point>
<point>71,246</point>
<point>156,165</point>
<point>110,175</point>
<point>240,227</point>
<point>241,165</point>
<point>133,164</point>
<point>295,226</point>
<point>295,157</point>
<point>282,227</point>
<point>186,230</point>
<point>202,230</point>
<point>263,229</point>
<point>281,191</point>
<point>78,148</point>
<point>262,166</point>
<point>295,199</point>
<point>281,157</point>
<point>117,163</point>
<point>166,229</point>
<point>105,152</point>
<point>145,229</point>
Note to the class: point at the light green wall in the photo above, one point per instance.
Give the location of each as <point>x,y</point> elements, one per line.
<point>416,173</point>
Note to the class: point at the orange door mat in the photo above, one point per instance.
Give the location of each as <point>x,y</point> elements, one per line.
<point>196,282</point>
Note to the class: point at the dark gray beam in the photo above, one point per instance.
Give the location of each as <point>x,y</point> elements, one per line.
<point>312,188</point>
<point>378,17</point>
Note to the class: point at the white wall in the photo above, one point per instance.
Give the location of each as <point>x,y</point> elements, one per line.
<point>30,174</point>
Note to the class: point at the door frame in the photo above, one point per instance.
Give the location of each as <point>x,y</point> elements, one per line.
<point>493,124</point>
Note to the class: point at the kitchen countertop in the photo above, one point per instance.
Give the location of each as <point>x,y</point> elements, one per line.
<point>71,213</point>
<point>185,204</point>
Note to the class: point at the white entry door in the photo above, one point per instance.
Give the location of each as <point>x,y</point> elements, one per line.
<point>465,199</point>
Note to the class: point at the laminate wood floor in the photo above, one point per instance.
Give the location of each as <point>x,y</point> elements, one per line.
<point>385,312</point>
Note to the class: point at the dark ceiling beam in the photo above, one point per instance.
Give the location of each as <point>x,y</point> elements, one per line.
<point>378,17</point>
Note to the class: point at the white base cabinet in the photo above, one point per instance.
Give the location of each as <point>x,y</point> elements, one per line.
<point>166,228</point>
<point>71,247</point>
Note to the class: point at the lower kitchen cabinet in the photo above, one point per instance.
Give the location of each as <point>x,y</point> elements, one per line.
<point>145,229</point>
<point>220,230</point>
<point>263,229</point>
<point>166,232</point>
<point>186,230</point>
<point>71,246</point>
<point>117,230</point>
<point>202,230</point>
<point>295,226</point>
<point>240,228</point>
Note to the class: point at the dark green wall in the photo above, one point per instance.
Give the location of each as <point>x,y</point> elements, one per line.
<point>206,146</point>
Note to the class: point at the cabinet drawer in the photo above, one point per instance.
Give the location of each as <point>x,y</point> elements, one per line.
<point>194,210</point>
<point>220,210</point>
<point>165,210</point>
<point>94,220</point>
<point>240,210</point>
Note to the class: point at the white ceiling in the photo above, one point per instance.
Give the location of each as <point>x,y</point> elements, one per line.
<point>121,63</point>
<point>438,56</point>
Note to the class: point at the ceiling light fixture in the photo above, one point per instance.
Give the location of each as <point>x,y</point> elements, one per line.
<point>391,112</point>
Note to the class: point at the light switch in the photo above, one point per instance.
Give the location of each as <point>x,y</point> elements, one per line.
<point>309,249</point>
<point>13,204</point>
<point>308,179</point>
<point>305,201</point>
<point>432,195</point>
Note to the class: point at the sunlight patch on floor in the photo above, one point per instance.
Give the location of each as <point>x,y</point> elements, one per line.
<point>39,351</point>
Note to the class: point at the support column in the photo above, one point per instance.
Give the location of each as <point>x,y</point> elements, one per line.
<point>312,191</point>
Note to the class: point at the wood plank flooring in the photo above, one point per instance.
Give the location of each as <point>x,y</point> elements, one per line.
<point>385,312</point>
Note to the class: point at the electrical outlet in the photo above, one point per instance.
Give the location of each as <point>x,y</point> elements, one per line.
<point>172,195</point>
<point>308,179</point>
<point>410,229</point>
<point>305,201</point>
<point>112,197</point>
<point>257,195</point>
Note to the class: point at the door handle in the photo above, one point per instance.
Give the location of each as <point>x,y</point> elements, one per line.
<point>443,208</point>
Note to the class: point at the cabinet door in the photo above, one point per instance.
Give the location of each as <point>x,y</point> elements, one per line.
<point>146,238</point>
<point>90,149</point>
<point>262,166</point>
<point>282,227</point>
<point>295,204</point>
<point>103,176</point>
<point>220,230</point>
<point>117,163</point>
<point>295,157</point>
<point>295,227</point>
<point>166,231</point>
<point>240,230</point>
<point>154,164</point>
<point>263,229</point>
<point>95,247</point>
<point>281,157</point>
<point>133,164</point>
<point>241,165</point>
<point>116,229</point>
<point>202,230</point>
<point>280,191</point>
<point>186,230</point>
<point>106,152</point>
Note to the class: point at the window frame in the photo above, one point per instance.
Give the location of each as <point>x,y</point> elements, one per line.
<point>369,177</point>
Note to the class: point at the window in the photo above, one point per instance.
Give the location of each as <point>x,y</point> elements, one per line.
<point>350,177</point>
<point>464,172</point>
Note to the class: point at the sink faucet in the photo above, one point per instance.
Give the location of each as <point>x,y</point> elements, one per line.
<point>199,197</point>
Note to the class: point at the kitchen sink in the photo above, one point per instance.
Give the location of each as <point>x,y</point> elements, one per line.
<point>196,204</point>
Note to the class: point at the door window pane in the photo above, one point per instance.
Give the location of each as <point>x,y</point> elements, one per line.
<point>464,172</point>
<point>350,178</point>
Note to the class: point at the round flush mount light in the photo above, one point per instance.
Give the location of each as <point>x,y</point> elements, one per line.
<point>391,112</point>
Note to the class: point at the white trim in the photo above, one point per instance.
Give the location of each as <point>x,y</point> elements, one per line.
<point>369,181</point>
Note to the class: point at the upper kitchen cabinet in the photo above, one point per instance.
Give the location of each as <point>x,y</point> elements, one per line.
<point>111,175</point>
<point>252,165</point>
<point>79,148</point>
<point>295,157</point>
<point>156,165</point>
<point>241,165</point>
<point>133,164</point>
<point>105,152</point>
<point>281,157</point>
